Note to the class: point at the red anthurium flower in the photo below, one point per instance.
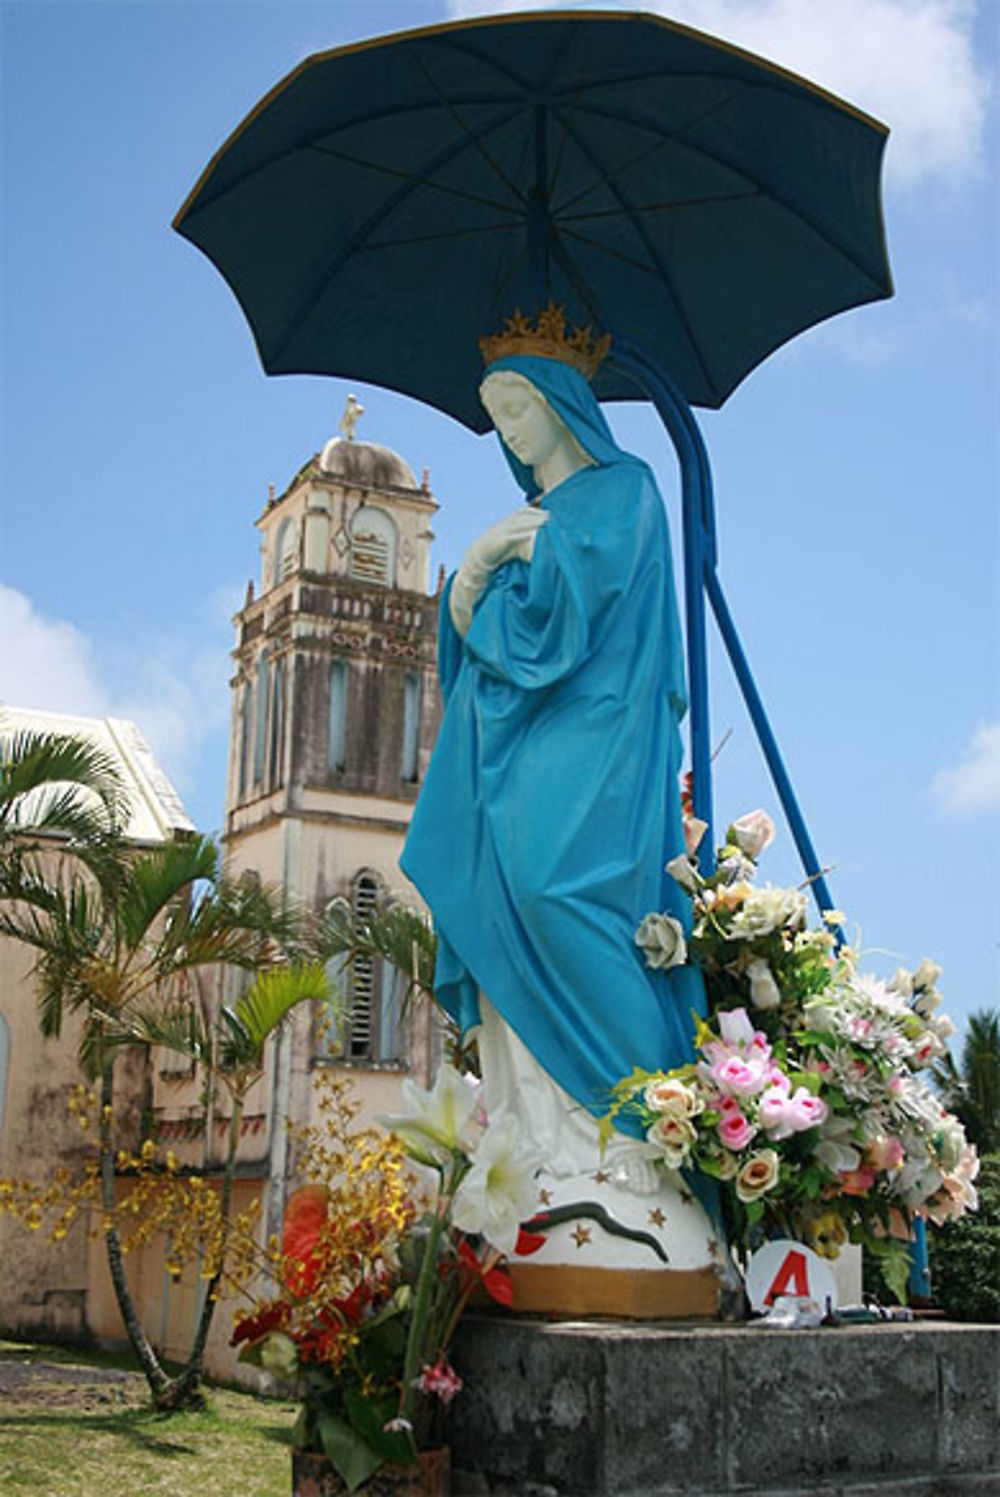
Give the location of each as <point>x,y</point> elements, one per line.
<point>253,1327</point>
<point>495,1280</point>
<point>305,1219</point>
<point>528,1242</point>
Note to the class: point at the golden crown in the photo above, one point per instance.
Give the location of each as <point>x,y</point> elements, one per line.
<point>549,339</point>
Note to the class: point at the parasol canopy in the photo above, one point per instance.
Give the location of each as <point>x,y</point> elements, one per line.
<point>390,202</point>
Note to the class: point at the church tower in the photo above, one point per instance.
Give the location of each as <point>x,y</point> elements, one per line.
<point>334,710</point>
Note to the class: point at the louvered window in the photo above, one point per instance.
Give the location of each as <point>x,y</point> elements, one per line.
<point>363,988</point>
<point>284,551</point>
<point>373,547</point>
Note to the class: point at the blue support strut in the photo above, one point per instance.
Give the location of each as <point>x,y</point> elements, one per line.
<point>701,576</point>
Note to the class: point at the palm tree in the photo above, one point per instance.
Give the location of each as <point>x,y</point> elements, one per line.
<point>52,784</point>
<point>231,1051</point>
<point>972,1092</point>
<point>404,937</point>
<point>124,932</point>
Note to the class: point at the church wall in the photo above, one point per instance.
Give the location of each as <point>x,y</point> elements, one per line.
<point>44,1285</point>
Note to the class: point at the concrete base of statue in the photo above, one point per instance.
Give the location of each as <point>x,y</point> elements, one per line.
<point>590,1410</point>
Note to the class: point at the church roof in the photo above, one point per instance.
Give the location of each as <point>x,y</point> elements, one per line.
<point>155,809</point>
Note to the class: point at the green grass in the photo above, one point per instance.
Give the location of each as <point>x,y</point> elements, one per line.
<point>75,1425</point>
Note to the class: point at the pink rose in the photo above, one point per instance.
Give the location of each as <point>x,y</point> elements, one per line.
<point>772,1112</point>
<point>806,1111</point>
<point>738,1077</point>
<point>735,1131</point>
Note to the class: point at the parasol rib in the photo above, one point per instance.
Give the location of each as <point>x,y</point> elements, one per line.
<point>779,199</point>
<point>357,241</point>
<point>404,176</point>
<point>644,240</point>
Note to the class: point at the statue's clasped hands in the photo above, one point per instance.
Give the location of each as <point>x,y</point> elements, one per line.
<point>510,539</point>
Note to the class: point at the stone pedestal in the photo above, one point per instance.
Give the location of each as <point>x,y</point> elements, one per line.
<point>643,1410</point>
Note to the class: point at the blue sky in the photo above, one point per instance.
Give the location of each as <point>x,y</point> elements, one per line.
<point>857,472</point>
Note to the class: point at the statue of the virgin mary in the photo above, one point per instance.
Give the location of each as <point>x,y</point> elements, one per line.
<point>551,804</point>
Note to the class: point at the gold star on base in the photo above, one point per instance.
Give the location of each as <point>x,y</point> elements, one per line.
<point>657,1217</point>
<point>580,1235</point>
<point>545,1197</point>
<point>601,1177</point>
<point>686,1197</point>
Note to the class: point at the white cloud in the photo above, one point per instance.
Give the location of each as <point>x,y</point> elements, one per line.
<point>908,62</point>
<point>176,693</point>
<point>974,783</point>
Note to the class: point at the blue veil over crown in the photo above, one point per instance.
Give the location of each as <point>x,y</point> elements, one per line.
<point>551,804</point>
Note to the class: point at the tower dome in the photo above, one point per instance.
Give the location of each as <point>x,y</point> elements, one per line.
<point>366,465</point>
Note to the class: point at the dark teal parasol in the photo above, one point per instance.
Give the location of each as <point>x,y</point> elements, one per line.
<point>389,202</point>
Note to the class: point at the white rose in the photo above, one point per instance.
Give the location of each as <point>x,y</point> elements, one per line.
<point>673,1138</point>
<point>768,909</point>
<point>752,833</point>
<point>758,1175</point>
<point>683,872</point>
<point>673,1097</point>
<point>661,938</point>
<point>926,975</point>
<point>927,1001</point>
<point>764,991</point>
<point>902,982</point>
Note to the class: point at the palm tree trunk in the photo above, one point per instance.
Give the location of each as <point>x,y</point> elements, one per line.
<point>155,1376</point>
<point>185,1390</point>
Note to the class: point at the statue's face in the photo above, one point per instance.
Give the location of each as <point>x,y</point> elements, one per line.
<point>529,428</point>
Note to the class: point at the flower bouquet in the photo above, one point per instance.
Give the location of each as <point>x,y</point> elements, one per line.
<point>807,1102</point>
<point>373,1280</point>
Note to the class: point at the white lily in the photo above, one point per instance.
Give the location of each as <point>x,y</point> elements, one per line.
<point>437,1120</point>
<point>499,1191</point>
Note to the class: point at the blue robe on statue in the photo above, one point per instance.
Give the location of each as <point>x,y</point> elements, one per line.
<point>551,803</point>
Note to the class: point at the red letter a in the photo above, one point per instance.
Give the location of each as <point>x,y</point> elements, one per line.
<point>794,1271</point>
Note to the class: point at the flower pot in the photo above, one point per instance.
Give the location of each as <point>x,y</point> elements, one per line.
<point>314,1476</point>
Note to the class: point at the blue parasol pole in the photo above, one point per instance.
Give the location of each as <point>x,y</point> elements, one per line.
<point>701,577</point>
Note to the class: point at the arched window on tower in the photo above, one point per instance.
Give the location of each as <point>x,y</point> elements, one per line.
<point>284,550</point>
<point>336,753</point>
<point>261,694</point>
<point>246,716</point>
<point>275,764</point>
<point>373,546</point>
<point>370,990</point>
<point>411,726</point>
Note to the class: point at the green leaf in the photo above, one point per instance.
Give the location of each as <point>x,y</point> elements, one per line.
<point>894,1265</point>
<point>275,993</point>
<point>369,1415</point>
<point>349,1453</point>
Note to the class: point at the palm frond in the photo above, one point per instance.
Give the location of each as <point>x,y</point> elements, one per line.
<point>179,1027</point>
<point>31,762</point>
<point>392,932</point>
<point>275,993</point>
<point>164,876</point>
